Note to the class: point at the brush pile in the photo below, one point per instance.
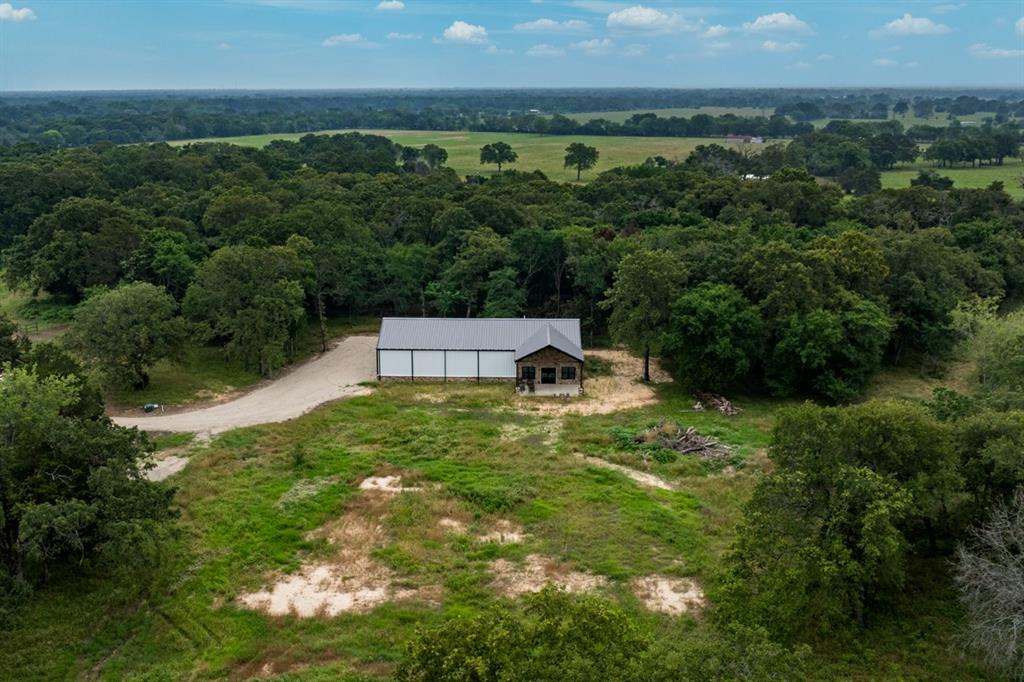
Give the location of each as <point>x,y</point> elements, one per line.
<point>684,440</point>
<point>714,402</point>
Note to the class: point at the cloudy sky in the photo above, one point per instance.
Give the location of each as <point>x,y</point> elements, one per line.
<point>156,44</point>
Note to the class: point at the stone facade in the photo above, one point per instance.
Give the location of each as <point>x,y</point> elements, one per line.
<point>550,357</point>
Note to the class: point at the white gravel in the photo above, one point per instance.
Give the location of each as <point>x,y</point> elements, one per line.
<point>333,375</point>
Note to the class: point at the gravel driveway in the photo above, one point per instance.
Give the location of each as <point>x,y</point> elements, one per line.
<point>331,376</point>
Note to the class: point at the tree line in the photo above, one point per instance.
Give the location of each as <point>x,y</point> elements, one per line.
<point>60,119</point>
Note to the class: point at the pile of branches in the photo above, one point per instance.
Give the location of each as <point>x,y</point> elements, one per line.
<point>684,440</point>
<point>714,402</point>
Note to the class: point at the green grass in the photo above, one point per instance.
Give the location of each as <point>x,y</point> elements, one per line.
<point>620,116</point>
<point>38,316</point>
<point>536,152</point>
<point>1011,174</point>
<point>241,518</point>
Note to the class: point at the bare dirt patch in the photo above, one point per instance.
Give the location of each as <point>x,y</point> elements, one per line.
<point>504,532</point>
<point>674,596</point>
<point>513,580</point>
<point>350,581</point>
<point>649,480</point>
<point>390,485</point>
<point>452,525</point>
<point>623,390</point>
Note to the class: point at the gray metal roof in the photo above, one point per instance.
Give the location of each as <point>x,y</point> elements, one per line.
<point>548,336</point>
<point>491,333</point>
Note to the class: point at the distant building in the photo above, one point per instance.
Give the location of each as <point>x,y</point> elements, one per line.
<point>744,139</point>
<point>543,356</point>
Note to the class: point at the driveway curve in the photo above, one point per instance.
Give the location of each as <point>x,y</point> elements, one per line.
<point>331,376</point>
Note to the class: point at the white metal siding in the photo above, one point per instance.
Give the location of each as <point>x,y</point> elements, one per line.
<point>395,363</point>
<point>462,363</point>
<point>428,363</point>
<point>498,364</point>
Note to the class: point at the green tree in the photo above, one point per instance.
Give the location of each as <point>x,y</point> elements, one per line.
<point>252,298</point>
<point>125,331</point>
<point>498,153</point>
<point>714,336</point>
<point>505,298</point>
<point>646,284</point>
<point>434,156</point>
<point>72,493</point>
<point>581,157</point>
<point>558,636</point>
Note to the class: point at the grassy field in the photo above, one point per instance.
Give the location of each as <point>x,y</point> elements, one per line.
<point>37,316</point>
<point>685,112</point>
<point>255,504</point>
<point>1010,174</point>
<point>536,152</point>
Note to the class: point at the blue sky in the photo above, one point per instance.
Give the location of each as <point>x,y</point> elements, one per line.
<point>149,44</point>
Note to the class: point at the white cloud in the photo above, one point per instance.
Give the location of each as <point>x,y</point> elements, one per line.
<point>223,47</point>
<point>948,7</point>
<point>9,13</point>
<point>544,50</point>
<point>715,46</point>
<point>391,5</point>
<point>461,32</point>
<point>1020,26</point>
<point>716,31</point>
<point>647,19</point>
<point>778,22</point>
<point>884,61</point>
<point>634,51</point>
<point>594,46</point>
<point>824,57</point>
<point>909,25</point>
<point>910,65</point>
<point>552,25</point>
<point>799,66</point>
<point>403,36</point>
<point>985,51</point>
<point>494,49</point>
<point>345,39</point>
<point>773,46</point>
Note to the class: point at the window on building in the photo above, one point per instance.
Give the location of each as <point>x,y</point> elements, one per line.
<point>568,374</point>
<point>529,372</point>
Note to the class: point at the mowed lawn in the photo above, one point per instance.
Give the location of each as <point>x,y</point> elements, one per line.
<point>545,153</point>
<point>1011,174</point>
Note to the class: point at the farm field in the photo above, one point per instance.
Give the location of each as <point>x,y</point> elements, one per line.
<point>1010,174</point>
<point>686,112</point>
<point>536,152</point>
<point>482,483</point>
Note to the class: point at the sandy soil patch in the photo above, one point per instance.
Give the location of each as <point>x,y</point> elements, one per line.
<point>623,390</point>
<point>649,480</point>
<point>452,525</point>
<point>674,596</point>
<point>513,580</point>
<point>350,581</point>
<point>504,532</point>
<point>390,485</point>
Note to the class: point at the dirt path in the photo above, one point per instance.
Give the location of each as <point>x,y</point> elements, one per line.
<point>335,374</point>
<point>649,480</point>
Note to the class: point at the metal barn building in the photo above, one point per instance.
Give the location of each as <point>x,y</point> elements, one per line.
<point>542,351</point>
